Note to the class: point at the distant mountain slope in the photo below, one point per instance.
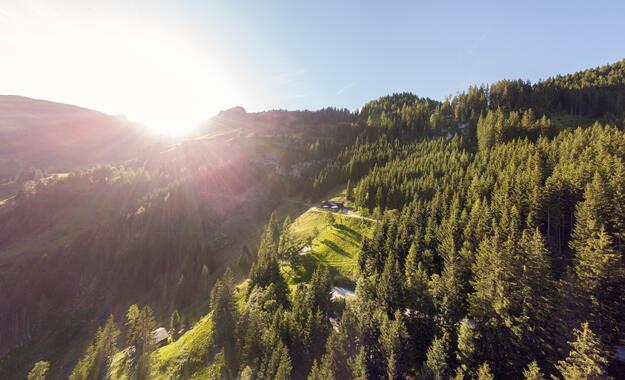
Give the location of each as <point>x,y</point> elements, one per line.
<point>279,121</point>
<point>61,137</point>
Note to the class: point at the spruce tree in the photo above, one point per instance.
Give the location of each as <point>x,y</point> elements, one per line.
<point>225,316</point>
<point>586,360</point>
<point>484,372</point>
<point>285,245</point>
<point>98,356</point>
<point>266,270</point>
<point>175,324</point>
<point>321,290</point>
<point>359,365</point>
<point>39,371</point>
<point>598,280</point>
<point>276,363</point>
<point>448,292</point>
<point>437,365</point>
<point>592,213</point>
<point>467,351</point>
<point>393,337</point>
<point>533,372</point>
<point>390,287</point>
<point>534,316</point>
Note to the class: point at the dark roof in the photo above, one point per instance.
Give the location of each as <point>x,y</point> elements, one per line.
<point>332,204</point>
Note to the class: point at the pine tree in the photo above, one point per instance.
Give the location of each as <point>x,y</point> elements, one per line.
<point>488,277</point>
<point>350,190</point>
<point>448,292</point>
<point>535,292</point>
<point>412,262</point>
<point>98,355</point>
<point>332,363</point>
<point>132,324</point>
<point>321,290</point>
<point>484,372</point>
<point>437,364</point>
<point>467,341</point>
<point>393,336</point>
<point>266,270</point>
<point>390,288</point>
<point>39,371</point>
<point>270,238</point>
<point>592,213</point>
<point>143,342</point>
<point>175,324</point>
<point>359,365</point>
<point>225,315</point>
<point>318,374</point>
<point>418,296</point>
<point>586,360</point>
<point>276,363</point>
<point>598,275</point>
<point>492,304</point>
<point>486,131</point>
<point>285,245</point>
<point>533,372</point>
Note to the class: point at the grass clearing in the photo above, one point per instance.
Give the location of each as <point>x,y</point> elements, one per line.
<point>336,246</point>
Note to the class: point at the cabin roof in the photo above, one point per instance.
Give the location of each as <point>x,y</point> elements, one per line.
<point>159,335</point>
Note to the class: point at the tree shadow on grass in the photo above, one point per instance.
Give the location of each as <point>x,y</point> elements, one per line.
<point>353,234</point>
<point>335,247</point>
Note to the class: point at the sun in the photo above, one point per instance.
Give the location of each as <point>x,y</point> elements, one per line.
<point>155,73</point>
<point>174,86</point>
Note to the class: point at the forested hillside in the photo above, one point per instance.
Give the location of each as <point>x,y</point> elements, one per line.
<point>483,239</point>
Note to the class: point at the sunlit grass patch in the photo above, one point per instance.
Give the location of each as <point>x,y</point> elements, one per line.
<point>336,246</point>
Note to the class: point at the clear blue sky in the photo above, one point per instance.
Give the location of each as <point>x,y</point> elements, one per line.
<point>344,53</point>
<point>171,63</point>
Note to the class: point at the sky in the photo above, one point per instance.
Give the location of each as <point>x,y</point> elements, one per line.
<point>171,64</point>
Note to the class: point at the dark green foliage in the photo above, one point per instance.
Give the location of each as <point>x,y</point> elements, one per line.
<point>225,317</point>
<point>393,338</point>
<point>492,231</point>
<point>266,271</point>
<point>498,127</point>
<point>359,366</point>
<point>320,290</point>
<point>139,326</point>
<point>276,364</point>
<point>390,286</point>
<point>438,365</point>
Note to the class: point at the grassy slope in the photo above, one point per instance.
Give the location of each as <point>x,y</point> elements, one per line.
<point>334,246</point>
<point>194,346</point>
